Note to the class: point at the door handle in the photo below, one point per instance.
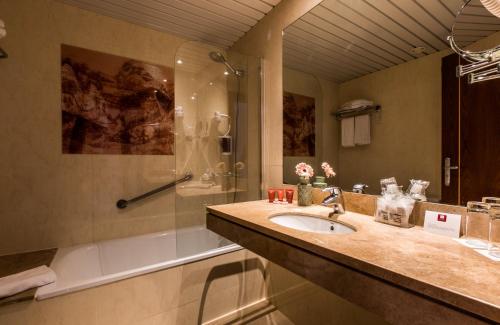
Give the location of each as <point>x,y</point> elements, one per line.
<point>447,171</point>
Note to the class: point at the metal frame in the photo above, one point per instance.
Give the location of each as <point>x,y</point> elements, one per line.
<point>358,111</point>
<point>479,60</point>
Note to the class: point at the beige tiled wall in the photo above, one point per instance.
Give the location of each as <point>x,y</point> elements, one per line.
<point>50,199</point>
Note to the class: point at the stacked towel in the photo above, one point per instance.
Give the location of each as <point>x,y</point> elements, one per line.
<point>357,103</point>
<point>362,129</point>
<point>347,132</point>
<point>355,130</point>
<point>19,282</point>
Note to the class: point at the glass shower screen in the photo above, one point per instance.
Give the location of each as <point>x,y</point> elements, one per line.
<point>217,138</point>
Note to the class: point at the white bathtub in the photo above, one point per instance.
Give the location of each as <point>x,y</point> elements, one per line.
<point>85,266</point>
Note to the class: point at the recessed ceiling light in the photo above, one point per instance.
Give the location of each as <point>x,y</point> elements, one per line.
<point>179,61</point>
<point>211,83</point>
<point>418,50</point>
<point>164,80</point>
<point>226,73</point>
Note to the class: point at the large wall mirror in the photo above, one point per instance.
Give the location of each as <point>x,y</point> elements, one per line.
<point>370,87</point>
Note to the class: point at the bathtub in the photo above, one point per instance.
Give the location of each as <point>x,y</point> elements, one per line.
<point>85,266</point>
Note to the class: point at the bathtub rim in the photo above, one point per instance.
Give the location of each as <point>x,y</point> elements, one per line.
<point>127,274</point>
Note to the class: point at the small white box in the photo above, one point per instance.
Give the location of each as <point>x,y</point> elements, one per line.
<point>445,224</point>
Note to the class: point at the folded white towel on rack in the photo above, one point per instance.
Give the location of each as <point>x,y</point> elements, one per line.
<point>19,282</point>
<point>362,129</point>
<point>357,103</point>
<point>347,132</point>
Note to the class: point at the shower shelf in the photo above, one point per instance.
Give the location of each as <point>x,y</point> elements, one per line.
<point>196,192</point>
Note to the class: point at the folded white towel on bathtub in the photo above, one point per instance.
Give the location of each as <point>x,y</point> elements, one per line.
<point>19,282</point>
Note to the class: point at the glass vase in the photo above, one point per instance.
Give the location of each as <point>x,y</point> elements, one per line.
<point>320,182</point>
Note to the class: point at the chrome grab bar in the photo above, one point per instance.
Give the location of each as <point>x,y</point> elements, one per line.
<point>122,203</point>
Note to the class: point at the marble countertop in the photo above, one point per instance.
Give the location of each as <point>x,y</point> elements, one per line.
<point>425,263</point>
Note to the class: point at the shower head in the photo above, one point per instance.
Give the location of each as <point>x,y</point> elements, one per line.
<point>219,58</point>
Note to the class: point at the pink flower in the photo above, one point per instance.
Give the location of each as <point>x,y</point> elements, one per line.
<point>304,170</point>
<point>328,170</point>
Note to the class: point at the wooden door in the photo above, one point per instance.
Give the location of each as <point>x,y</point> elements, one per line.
<point>449,128</point>
<point>470,136</point>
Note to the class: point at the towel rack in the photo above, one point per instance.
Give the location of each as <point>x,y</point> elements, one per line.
<point>357,111</point>
<point>122,203</point>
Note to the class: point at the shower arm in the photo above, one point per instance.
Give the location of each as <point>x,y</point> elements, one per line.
<point>122,203</point>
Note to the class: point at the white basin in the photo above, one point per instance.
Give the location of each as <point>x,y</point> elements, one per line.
<point>311,224</point>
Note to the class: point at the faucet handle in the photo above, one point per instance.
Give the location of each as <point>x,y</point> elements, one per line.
<point>327,189</point>
<point>333,190</point>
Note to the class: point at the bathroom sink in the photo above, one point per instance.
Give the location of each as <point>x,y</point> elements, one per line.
<point>311,224</point>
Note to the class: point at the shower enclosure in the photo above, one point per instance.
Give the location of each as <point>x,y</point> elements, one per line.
<point>217,122</point>
<point>217,132</point>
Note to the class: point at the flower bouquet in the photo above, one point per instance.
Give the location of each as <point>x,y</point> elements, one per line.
<point>304,189</point>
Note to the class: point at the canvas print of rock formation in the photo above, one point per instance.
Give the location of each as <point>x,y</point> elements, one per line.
<point>115,105</point>
<point>298,125</point>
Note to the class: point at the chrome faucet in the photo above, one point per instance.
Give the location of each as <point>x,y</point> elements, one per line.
<point>334,200</point>
<point>359,188</point>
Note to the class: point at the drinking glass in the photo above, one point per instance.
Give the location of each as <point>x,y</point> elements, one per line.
<point>271,194</point>
<point>289,195</point>
<point>494,232</point>
<point>280,194</point>
<point>491,199</point>
<point>476,226</point>
<point>494,226</point>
